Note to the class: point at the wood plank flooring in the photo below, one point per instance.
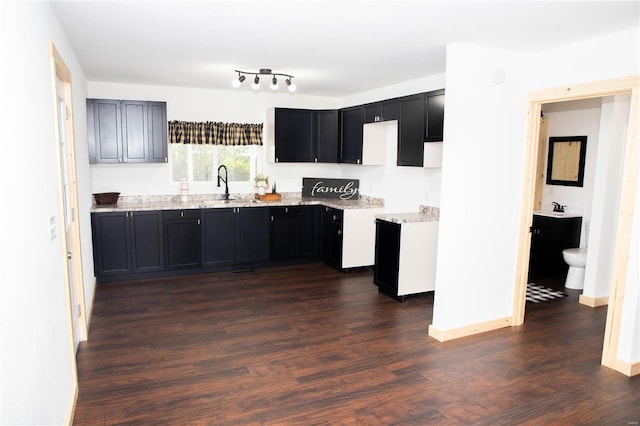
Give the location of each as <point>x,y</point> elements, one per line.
<point>308,345</point>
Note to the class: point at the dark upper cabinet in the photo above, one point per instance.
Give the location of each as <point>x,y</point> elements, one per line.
<point>157,121</point>
<point>127,242</point>
<point>126,131</point>
<point>306,135</point>
<point>327,138</point>
<point>549,236</point>
<point>182,237</point>
<point>294,135</point>
<point>351,121</point>
<point>411,131</point>
<point>382,111</point>
<point>104,130</point>
<point>434,116</point>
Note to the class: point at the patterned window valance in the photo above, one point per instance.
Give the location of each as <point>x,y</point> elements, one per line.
<point>210,133</point>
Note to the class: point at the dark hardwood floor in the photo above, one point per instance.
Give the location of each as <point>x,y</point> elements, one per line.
<point>309,345</point>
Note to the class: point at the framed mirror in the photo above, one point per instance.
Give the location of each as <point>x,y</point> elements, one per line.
<point>565,165</point>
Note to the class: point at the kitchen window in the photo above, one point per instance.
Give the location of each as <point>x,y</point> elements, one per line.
<point>199,163</point>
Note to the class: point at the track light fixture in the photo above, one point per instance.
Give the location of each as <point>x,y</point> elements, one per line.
<point>264,71</point>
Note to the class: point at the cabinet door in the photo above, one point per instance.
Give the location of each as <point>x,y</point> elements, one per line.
<point>351,121</point>
<point>331,247</point>
<point>253,235</point>
<point>294,135</point>
<point>283,233</point>
<point>218,237</point>
<point>157,140</point>
<point>134,131</point>
<point>308,230</point>
<point>434,116</point>
<point>146,241</point>
<point>327,136</point>
<point>390,110</point>
<point>373,113</point>
<point>182,239</point>
<point>104,128</point>
<point>387,260</point>
<point>111,248</point>
<point>411,131</point>
<point>549,237</point>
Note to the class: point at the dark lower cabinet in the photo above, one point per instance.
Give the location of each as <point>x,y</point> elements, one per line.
<point>182,239</point>
<point>252,235</point>
<point>387,260</point>
<point>549,236</point>
<point>293,232</point>
<point>234,236</point>
<point>127,242</point>
<point>218,237</point>
<point>331,246</point>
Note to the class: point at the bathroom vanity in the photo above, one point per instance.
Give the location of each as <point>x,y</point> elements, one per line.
<point>551,233</point>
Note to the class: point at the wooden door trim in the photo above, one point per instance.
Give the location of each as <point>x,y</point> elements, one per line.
<point>631,167</point>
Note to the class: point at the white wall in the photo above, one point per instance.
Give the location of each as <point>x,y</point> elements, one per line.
<point>613,56</point>
<point>404,188</point>
<point>614,119</point>
<point>482,178</point>
<point>577,118</point>
<point>37,366</point>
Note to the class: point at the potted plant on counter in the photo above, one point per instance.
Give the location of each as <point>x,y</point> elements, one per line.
<point>262,183</point>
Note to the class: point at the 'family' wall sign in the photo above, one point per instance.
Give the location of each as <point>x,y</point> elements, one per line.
<point>341,189</point>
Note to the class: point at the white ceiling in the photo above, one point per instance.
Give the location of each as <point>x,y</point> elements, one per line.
<point>332,47</point>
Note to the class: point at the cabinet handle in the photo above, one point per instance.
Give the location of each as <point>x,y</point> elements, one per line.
<point>181,214</point>
<point>358,161</point>
<point>315,159</point>
<point>271,218</point>
<point>198,221</point>
<point>339,231</point>
<point>335,217</point>
<point>286,209</point>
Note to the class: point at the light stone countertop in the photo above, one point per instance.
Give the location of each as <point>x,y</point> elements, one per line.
<point>133,203</point>
<point>426,214</point>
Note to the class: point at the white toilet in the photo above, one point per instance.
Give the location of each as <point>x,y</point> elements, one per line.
<point>576,258</point>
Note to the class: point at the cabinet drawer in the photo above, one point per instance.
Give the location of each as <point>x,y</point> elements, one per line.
<point>333,215</point>
<point>181,214</point>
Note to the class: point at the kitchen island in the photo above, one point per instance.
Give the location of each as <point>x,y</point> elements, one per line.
<point>406,252</point>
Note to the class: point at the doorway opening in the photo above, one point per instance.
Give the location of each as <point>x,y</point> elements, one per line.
<point>625,208</point>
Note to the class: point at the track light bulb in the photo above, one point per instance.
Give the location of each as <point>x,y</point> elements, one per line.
<point>256,82</point>
<point>290,85</point>
<point>238,81</point>
<point>274,83</point>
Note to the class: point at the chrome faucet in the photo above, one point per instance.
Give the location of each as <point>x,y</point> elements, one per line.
<point>557,207</point>
<point>224,179</point>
